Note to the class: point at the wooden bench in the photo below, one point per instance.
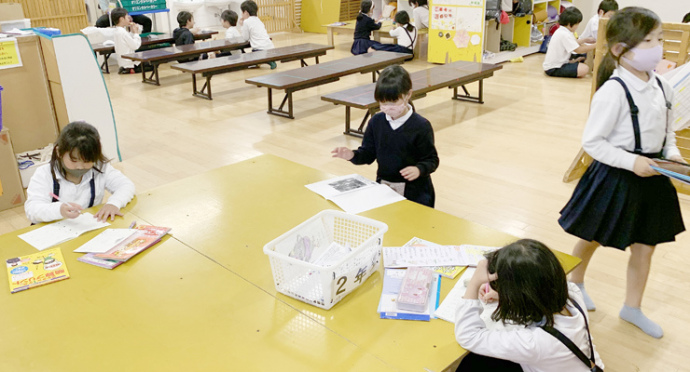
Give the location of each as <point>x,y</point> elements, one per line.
<point>324,73</point>
<point>157,56</point>
<point>454,75</point>
<point>210,67</point>
<point>146,41</point>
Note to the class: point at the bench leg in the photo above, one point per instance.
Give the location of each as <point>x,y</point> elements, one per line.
<point>303,63</point>
<point>104,66</point>
<point>359,132</point>
<point>373,76</point>
<point>280,111</point>
<point>206,87</point>
<point>317,60</point>
<point>153,78</point>
<point>330,36</point>
<point>467,96</point>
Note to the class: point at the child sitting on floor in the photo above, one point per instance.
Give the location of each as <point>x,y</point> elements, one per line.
<point>405,34</point>
<point>559,59</point>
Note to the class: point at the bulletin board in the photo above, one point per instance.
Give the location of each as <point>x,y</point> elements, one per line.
<point>456,30</point>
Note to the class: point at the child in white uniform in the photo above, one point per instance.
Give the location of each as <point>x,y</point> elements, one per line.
<point>607,9</point>
<point>405,34</point>
<point>420,13</point>
<point>561,57</point>
<point>621,201</point>
<point>78,174</point>
<point>253,30</point>
<point>533,293</point>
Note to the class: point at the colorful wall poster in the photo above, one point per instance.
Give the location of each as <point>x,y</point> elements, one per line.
<point>456,30</point>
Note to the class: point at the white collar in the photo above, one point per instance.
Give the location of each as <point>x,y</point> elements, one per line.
<point>397,123</point>
<point>634,81</point>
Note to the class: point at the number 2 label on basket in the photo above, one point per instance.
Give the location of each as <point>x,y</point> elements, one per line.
<point>346,283</point>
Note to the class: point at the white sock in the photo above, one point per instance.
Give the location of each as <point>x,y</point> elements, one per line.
<point>588,300</point>
<point>634,315</point>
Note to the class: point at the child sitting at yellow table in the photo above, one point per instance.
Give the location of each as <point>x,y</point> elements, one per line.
<point>78,174</point>
<point>400,140</point>
<point>533,293</point>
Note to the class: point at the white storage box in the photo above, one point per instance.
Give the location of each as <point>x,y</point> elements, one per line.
<point>30,161</point>
<point>17,23</point>
<point>290,254</point>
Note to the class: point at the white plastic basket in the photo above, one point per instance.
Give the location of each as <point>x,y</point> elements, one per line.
<point>325,286</point>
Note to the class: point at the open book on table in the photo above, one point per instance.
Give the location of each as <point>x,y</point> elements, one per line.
<point>354,193</point>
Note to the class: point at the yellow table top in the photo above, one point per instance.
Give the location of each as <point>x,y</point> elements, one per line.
<point>167,309</point>
<point>230,213</point>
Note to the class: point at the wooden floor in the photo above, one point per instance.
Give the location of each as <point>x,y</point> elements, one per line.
<point>501,165</point>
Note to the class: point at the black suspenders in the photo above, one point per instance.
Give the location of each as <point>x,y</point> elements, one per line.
<point>634,112</point>
<point>56,189</point>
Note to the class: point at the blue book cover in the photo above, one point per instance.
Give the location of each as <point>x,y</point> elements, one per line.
<point>388,309</point>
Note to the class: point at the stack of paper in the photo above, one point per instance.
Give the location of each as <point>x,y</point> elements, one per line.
<point>388,307</point>
<point>355,194</point>
<point>62,231</point>
<point>419,252</point>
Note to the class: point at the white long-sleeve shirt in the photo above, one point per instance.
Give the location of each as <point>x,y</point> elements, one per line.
<point>609,130</point>
<point>255,32</point>
<point>401,34</point>
<point>531,347</point>
<point>40,208</point>
<point>232,32</point>
<point>125,43</point>
<point>420,15</point>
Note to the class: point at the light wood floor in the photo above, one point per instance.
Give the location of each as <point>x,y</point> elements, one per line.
<point>501,166</point>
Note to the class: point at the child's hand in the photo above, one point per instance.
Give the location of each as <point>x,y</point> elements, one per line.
<point>410,173</point>
<point>343,153</point>
<point>211,55</point>
<point>106,211</point>
<point>480,277</point>
<point>134,28</point>
<point>643,166</point>
<point>678,158</point>
<point>70,210</point>
<point>487,297</point>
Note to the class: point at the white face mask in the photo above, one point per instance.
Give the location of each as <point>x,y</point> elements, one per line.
<point>393,110</point>
<point>645,59</point>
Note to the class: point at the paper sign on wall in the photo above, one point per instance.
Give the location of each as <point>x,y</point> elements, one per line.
<point>9,53</point>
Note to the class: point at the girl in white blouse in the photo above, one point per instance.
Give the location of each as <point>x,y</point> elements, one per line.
<point>420,13</point>
<point>533,293</point>
<point>621,201</point>
<point>405,34</point>
<point>76,178</point>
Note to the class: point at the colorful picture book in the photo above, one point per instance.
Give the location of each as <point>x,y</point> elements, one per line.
<point>145,237</point>
<point>388,306</point>
<point>36,269</point>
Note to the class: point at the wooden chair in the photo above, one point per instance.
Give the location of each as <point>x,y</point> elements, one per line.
<point>676,40</point>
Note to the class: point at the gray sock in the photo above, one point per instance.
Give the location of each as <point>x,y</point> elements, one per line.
<point>634,315</point>
<point>588,300</point>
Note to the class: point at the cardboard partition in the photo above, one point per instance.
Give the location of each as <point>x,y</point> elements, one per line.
<point>11,11</point>
<point>12,190</point>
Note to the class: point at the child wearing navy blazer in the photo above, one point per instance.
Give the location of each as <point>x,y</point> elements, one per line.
<point>400,140</point>
<point>363,28</point>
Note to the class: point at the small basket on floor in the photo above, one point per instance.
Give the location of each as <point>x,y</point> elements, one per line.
<point>324,286</point>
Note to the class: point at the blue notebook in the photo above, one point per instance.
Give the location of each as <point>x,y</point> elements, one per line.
<point>388,309</point>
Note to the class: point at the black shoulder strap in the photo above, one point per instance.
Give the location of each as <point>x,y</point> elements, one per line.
<point>56,188</point>
<point>93,190</point>
<point>634,111</point>
<point>669,105</point>
<point>410,37</point>
<point>590,363</point>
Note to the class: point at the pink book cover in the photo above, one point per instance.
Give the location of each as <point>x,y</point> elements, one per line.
<point>142,240</point>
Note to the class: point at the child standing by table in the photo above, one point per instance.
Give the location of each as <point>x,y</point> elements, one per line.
<point>405,34</point>
<point>400,140</point>
<point>253,30</point>
<point>78,174</point>
<point>363,28</point>
<point>621,201</point>
<point>534,294</point>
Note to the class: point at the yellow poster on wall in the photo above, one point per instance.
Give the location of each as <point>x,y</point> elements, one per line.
<point>9,53</point>
<point>456,30</point>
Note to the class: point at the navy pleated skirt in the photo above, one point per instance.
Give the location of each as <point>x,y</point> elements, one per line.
<point>616,208</point>
<point>361,46</point>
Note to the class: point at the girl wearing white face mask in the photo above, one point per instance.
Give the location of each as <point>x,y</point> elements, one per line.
<point>76,177</point>
<point>400,140</point>
<point>621,201</point>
